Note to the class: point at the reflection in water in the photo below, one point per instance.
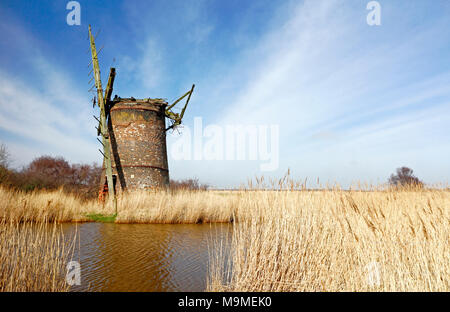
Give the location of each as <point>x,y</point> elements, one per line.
<point>144,257</point>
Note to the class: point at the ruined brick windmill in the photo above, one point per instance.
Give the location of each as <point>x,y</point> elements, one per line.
<point>133,135</point>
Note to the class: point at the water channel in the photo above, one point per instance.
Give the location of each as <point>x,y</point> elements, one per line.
<point>144,257</point>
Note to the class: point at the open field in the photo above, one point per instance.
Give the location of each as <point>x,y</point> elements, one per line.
<point>329,240</point>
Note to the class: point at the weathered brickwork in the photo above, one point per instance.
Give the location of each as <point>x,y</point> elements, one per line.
<point>138,144</point>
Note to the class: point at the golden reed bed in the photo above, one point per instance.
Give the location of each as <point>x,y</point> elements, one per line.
<point>33,256</point>
<point>136,207</point>
<point>330,240</point>
<point>337,241</point>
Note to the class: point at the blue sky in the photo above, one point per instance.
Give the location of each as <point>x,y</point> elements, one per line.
<point>352,101</point>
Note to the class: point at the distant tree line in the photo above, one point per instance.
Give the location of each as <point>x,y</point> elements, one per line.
<point>47,172</point>
<point>188,184</point>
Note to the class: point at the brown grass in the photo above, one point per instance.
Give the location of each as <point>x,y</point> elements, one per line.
<point>177,207</point>
<point>136,207</point>
<point>329,240</point>
<point>44,206</point>
<point>333,240</point>
<point>33,257</point>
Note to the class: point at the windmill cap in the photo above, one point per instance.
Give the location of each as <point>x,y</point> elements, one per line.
<point>132,103</point>
<point>132,100</point>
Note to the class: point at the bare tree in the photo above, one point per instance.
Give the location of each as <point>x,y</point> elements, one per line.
<point>4,156</point>
<point>404,177</point>
<point>49,172</point>
<point>5,173</point>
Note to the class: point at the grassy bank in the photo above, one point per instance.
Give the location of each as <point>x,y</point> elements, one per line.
<point>337,241</point>
<point>136,207</point>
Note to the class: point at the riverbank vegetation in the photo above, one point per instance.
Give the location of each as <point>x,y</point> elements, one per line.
<point>182,206</point>
<point>393,240</point>
<point>34,256</point>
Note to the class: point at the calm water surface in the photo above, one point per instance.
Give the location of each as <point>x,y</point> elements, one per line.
<point>144,257</point>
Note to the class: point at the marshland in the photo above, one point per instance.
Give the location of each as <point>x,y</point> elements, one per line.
<point>254,239</point>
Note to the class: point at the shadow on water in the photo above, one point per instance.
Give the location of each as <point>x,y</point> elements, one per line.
<point>144,257</point>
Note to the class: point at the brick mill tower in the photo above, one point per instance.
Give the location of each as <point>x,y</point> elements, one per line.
<point>138,141</point>
<point>133,136</point>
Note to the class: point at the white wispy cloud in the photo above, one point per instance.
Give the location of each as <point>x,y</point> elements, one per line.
<point>46,119</point>
<point>42,110</point>
<point>325,71</point>
<point>145,72</point>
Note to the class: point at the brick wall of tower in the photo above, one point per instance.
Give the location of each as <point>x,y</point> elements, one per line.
<point>138,143</point>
